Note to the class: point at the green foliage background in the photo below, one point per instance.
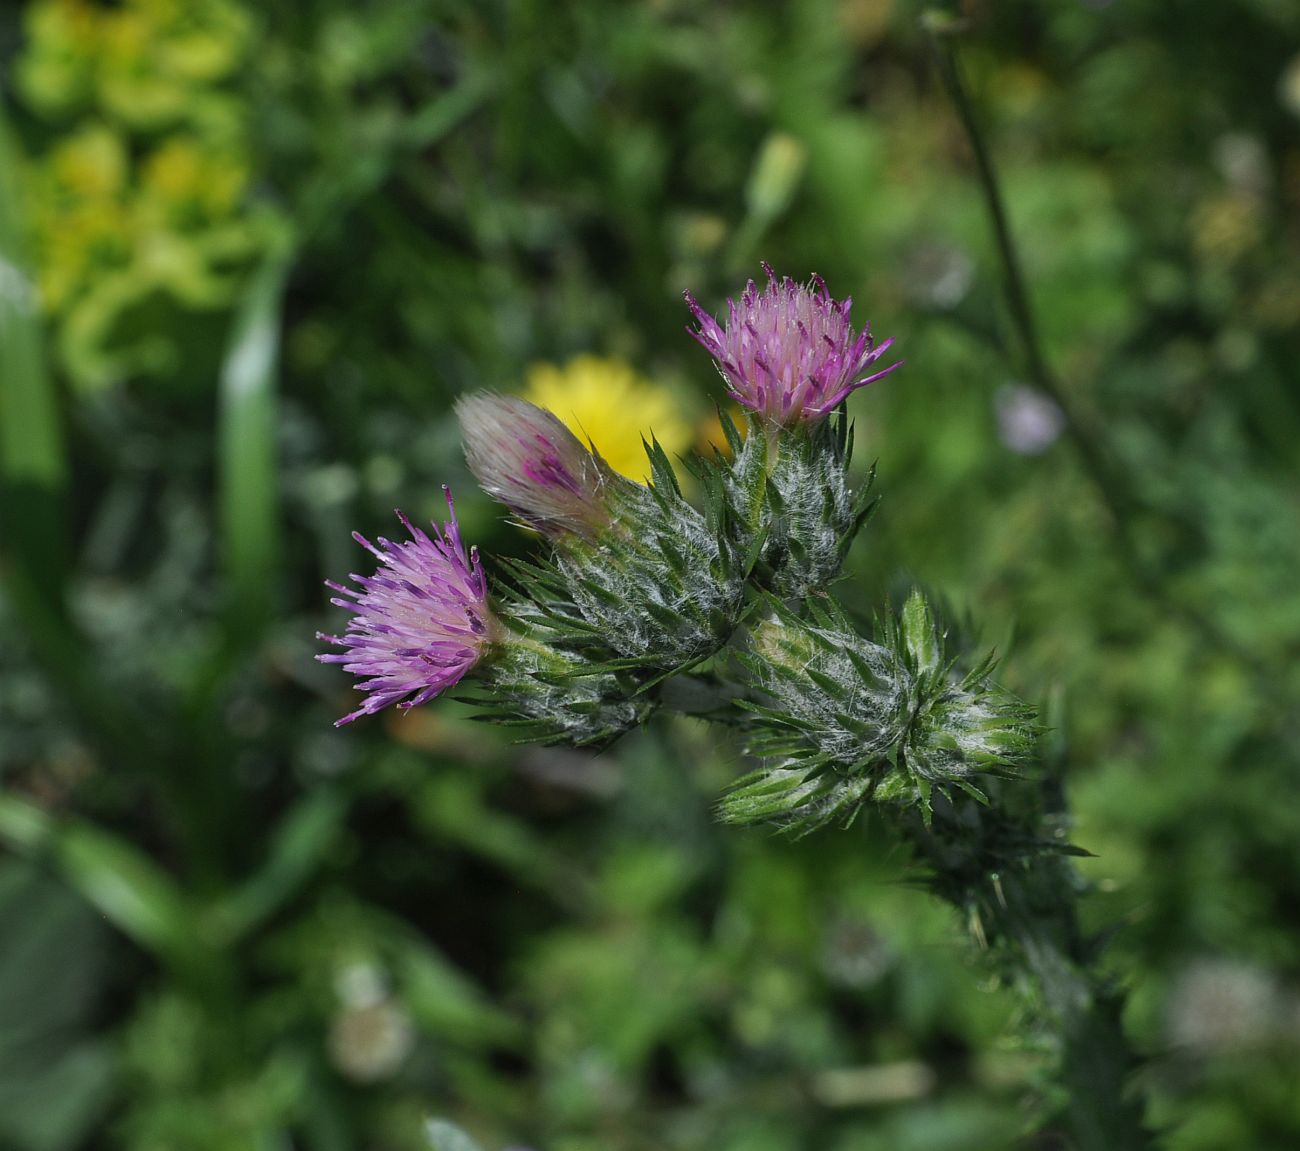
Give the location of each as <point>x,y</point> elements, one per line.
<point>250,253</point>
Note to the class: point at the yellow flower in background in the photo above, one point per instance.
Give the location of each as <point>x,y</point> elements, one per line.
<point>140,201</point>
<point>142,61</point>
<point>192,182</point>
<point>90,163</point>
<point>51,72</point>
<point>605,401</point>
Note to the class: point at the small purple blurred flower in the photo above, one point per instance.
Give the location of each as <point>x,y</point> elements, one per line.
<point>528,460</point>
<point>1028,421</point>
<point>789,352</point>
<point>422,620</point>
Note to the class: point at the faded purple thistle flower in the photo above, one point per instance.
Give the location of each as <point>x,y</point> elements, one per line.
<point>789,352</point>
<point>526,458</point>
<point>422,620</point>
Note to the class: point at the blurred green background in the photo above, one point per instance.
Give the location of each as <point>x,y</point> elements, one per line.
<point>249,253</point>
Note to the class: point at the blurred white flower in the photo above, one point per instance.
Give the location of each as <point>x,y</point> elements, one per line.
<point>1242,161</point>
<point>368,1044</point>
<point>15,289</point>
<point>360,985</point>
<point>854,955</point>
<point>1029,422</point>
<point>938,275</point>
<point>1218,1005</point>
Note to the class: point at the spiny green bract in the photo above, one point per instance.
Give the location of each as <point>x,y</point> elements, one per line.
<point>552,692</point>
<point>796,493</point>
<point>842,719</point>
<point>660,590</point>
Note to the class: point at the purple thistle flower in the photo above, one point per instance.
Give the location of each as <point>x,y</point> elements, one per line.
<point>526,458</point>
<point>422,620</point>
<point>790,352</point>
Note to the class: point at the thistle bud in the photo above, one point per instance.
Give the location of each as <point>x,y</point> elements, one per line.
<point>843,719</point>
<point>528,460</point>
<point>637,572</point>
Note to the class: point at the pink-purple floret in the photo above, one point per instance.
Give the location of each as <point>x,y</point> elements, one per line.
<point>422,620</point>
<point>547,468</point>
<point>789,352</point>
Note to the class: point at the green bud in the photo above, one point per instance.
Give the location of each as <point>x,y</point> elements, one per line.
<point>842,719</point>
<point>775,177</point>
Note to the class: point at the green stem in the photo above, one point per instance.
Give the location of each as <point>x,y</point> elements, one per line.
<point>1096,1062</point>
<point>1020,899</point>
<point>1114,494</point>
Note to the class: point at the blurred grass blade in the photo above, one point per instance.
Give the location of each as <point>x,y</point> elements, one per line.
<point>355,175</point>
<point>438,117</point>
<point>127,887</point>
<point>31,438</point>
<point>34,519</point>
<point>445,1003</point>
<point>300,845</point>
<point>452,808</point>
<point>56,1074</point>
<point>33,467</point>
<point>246,452</point>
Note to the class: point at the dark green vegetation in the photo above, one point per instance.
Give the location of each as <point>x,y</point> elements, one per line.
<point>273,248</point>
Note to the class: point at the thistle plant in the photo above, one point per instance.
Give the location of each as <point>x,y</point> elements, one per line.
<point>638,590</point>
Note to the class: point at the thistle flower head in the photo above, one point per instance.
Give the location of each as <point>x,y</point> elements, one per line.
<point>789,352</point>
<point>526,458</point>
<point>422,620</point>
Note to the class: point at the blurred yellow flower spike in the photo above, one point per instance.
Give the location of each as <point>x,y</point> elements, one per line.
<point>143,61</point>
<point>139,201</point>
<point>605,401</point>
<point>91,163</point>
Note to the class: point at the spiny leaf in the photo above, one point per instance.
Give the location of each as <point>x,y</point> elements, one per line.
<point>919,633</point>
<point>731,432</point>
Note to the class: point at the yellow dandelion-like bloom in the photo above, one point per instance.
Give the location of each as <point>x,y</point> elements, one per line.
<point>605,401</point>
